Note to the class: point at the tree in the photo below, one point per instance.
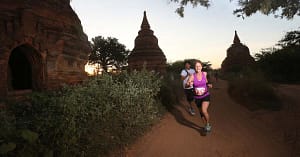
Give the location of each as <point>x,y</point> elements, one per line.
<point>291,38</point>
<point>108,52</point>
<point>282,64</point>
<point>194,3</point>
<point>177,66</point>
<point>286,8</point>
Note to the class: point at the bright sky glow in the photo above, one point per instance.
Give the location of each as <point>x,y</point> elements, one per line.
<point>203,34</point>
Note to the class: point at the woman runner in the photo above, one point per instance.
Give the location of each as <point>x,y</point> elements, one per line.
<point>202,97</point>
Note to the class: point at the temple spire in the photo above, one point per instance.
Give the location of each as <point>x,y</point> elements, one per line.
<point>145,23</point>
<point>146,52</point>
<point>236,39</point>
<point>238,57</point>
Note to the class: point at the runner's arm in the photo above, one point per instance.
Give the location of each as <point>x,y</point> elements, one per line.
<point>208,83</point>
<point>190,81</point>
<point>183,77</point>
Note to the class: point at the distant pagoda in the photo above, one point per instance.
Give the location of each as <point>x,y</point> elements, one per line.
<point>238,56</point>
<point>146,51</point>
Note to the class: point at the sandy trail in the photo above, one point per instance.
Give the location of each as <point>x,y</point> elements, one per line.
<point>236,132</point>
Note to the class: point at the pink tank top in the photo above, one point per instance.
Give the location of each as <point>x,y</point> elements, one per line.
<point>200,85</point>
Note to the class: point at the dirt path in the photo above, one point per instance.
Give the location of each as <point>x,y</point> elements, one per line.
<point>236,132</point>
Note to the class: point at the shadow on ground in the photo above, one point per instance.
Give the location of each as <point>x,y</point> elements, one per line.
<point>178,115</point>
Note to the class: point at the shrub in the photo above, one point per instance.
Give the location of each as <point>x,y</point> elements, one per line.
<point>251,89</point>
<point>281,65</point>
<point>91,119</point>
<point>171,91</point>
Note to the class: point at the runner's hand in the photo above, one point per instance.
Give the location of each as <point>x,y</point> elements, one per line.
<point>209,85</point>
<point>190,83</point>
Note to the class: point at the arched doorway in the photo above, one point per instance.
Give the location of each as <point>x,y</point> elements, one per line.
<point>25,69</point>
<point>20,70</point>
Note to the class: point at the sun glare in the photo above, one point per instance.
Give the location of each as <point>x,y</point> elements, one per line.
<point>92,69</point>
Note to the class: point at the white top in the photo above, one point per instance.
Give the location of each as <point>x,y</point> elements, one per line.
<point>184,74</point>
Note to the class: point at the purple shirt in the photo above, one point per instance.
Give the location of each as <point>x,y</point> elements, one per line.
<point>200,85</point>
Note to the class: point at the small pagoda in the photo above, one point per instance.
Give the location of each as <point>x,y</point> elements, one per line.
<point>238,56</point>
<point>146,51</point>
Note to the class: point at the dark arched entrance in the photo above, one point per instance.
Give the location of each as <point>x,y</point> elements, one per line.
<point>21,70</point>
<point>25,68</point>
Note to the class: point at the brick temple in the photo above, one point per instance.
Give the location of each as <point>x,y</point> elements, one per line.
<point>42,46</point>
<point>238,56</point>
<point>146,51</point>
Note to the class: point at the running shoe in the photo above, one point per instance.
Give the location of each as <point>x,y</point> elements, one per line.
<point>192,111</point>
<point>207,128</point>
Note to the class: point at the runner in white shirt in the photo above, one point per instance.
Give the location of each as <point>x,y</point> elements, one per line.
<point>188,91</point>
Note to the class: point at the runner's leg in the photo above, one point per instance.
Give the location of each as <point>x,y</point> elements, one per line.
<point>190,97</point>
<point>204,108</point>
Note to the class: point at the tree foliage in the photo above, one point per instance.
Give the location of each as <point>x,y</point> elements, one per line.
<point>108,52</point>
<point>177,66</point>
<point>194,3</point>
<point>282,65</point>
<point>280,8</point>
<point>291,38</point>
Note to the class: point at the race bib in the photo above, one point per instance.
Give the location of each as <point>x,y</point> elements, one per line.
<point>199,91</point>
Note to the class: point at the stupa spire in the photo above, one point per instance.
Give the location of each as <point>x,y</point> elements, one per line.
<point>145,23</point>
<point>236,39</point>
<point>146,51</point>
<point>238,57</point>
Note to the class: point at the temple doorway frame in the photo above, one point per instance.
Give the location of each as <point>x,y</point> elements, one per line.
<point>25,69</point>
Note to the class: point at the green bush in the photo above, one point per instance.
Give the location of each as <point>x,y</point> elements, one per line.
<point>171,90</point>
<point>91,119</point>
<point>251,89</point>
<point>7,130</point>
<point>281,65</point>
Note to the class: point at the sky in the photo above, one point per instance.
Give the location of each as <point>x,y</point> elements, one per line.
<point>203,33</point>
